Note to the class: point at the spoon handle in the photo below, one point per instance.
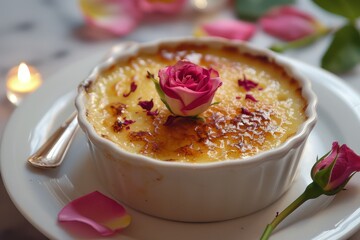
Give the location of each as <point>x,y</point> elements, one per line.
<point>52,152</point>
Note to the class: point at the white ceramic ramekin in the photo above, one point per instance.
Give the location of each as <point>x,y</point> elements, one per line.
<point>197,192</point>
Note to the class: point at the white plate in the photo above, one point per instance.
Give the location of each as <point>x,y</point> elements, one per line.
<point>40,195</point>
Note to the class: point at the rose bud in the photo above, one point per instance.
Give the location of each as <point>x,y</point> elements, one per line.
<point>335,169</point>
<point>330,174</point>
<point>188,89</point>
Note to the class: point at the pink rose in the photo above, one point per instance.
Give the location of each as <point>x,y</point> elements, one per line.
<point>227,28</point>
<point>118,17</point>
<point>188,88</point>
<point>288,23</point>
<point>330,174</point>
<point>335,169</point>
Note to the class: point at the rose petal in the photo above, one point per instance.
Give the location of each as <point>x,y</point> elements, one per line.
<point>247,84</point>
<point>146,105</point>
<point>230,29</point>
<point>288,23</point>
<point>116,16</point>
<point>187,95</point>
<point>162,6</point>
<point>195,111</point>
<point>205,100</point>
<point>152,113</point>
<point>100,212</point>
<point>250,97</point>
<point>245,111</point>
<point>176,105</point>
<point>133,87</point>
<point>328,160</point>
<point>347,162</point>
<point>354,159</point>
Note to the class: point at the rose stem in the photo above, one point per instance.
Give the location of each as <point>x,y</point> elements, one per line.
<point>311,191</point>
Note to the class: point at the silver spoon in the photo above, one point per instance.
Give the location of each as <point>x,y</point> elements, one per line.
<point>52,153</point>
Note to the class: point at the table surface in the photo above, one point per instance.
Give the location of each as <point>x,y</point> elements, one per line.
<point>50,34</point>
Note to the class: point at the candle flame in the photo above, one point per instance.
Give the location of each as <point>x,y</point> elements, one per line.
<point>23,73</point>
<point>200,4</point>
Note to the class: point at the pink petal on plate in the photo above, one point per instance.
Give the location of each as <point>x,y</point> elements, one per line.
<point>288,23</point>
<point>100,212</point>
<point>228,28</point>
<point>119,17</point>
<point>163,6</point>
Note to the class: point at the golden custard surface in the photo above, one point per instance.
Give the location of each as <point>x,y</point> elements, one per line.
<point>237,127</point>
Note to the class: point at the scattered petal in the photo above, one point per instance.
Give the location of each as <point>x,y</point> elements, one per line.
<point>247,84</point>
<point>227,28</point>
<point>133,88</point>
<point>245,111</point>
<point>119,17</point>
<point>119,125</point>
<point>161,6</point>
<point>152,113</point>
<point>128,122</point>
<point>288,23</point>
<point>98,211</point>
<point>117,108</point>
<point>250,97</point>
<point>147,106</point>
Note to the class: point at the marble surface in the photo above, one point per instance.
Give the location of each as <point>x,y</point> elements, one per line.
<point>50,34</point>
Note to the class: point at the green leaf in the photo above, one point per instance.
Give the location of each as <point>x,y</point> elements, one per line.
<point>322,177</point>
<point>339,188</point>
<point>346,8</point>
<point>343,53</point>
<point>157,85</point>
<point>253,9</point>
<point>159,90</point>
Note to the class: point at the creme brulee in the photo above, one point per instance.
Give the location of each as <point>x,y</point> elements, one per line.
<point>248,119</point>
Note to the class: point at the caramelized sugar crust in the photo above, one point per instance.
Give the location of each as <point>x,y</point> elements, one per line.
<point>242,124</point>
